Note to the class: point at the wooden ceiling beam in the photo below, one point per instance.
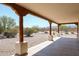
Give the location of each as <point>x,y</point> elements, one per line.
<point>69,23</point>
<point>18,9</point>
<point>23,10</point>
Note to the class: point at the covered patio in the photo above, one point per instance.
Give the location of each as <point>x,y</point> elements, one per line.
<point>53,13</point>
<point>61,47</point>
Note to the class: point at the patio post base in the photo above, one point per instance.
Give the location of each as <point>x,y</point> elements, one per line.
<point>50,37</point>
<point>21,48</point>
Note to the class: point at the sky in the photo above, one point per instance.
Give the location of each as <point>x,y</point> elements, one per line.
<point>28,20</point>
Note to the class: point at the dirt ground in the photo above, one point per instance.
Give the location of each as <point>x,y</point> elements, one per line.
<point>7,46</point>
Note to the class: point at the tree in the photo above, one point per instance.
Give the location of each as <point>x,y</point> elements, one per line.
<point>6,23</point>
<point>64,27</point>
<point>35,29</point>
<point>29,31</point>
<point>14,30</point>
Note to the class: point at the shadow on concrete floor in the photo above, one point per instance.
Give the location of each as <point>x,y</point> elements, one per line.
<point>61,47</point>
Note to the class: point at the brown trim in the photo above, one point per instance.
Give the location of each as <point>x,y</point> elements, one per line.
<point>69,23</point>
<point>18,9</point>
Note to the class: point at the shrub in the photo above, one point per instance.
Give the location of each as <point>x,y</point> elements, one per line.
<point>9,35</point>
<point>66,33</point>
<point>29,31</point>
<point>72,32</point>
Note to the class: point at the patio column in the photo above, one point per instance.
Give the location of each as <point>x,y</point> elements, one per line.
<point>21,45</point>
<point>21,38</point>
<point>77,30</point>
<point>59,29</point>
<point>50,31</point>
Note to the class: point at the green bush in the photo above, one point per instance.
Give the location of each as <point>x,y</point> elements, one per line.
<point>9,34</point>
<point>66,33</point>
<point>29,31</point>
<point>8,26</point>
<point>72,32</point>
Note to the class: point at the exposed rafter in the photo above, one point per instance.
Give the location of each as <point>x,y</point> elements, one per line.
<point>15,6</point>
<point>26,10</point>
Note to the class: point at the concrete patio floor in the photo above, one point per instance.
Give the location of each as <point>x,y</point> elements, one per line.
<point>63,46</point>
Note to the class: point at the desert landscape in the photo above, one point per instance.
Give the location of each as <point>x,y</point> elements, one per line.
<point>7,46</point>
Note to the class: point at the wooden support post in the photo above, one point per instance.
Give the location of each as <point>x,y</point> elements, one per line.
<point>50,28</point>
<point>77,30</point>
<point>77,24</point>
<point>20,28</point>
<point>50,31</point>
<point>21,46</point>
<point>59,29</point>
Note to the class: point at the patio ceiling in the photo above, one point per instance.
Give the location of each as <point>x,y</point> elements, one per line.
<point>58,12</point>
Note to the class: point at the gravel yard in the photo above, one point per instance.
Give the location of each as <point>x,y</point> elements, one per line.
<point>7,46</point>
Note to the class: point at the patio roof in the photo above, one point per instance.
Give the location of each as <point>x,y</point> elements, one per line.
<point>56,12</point>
